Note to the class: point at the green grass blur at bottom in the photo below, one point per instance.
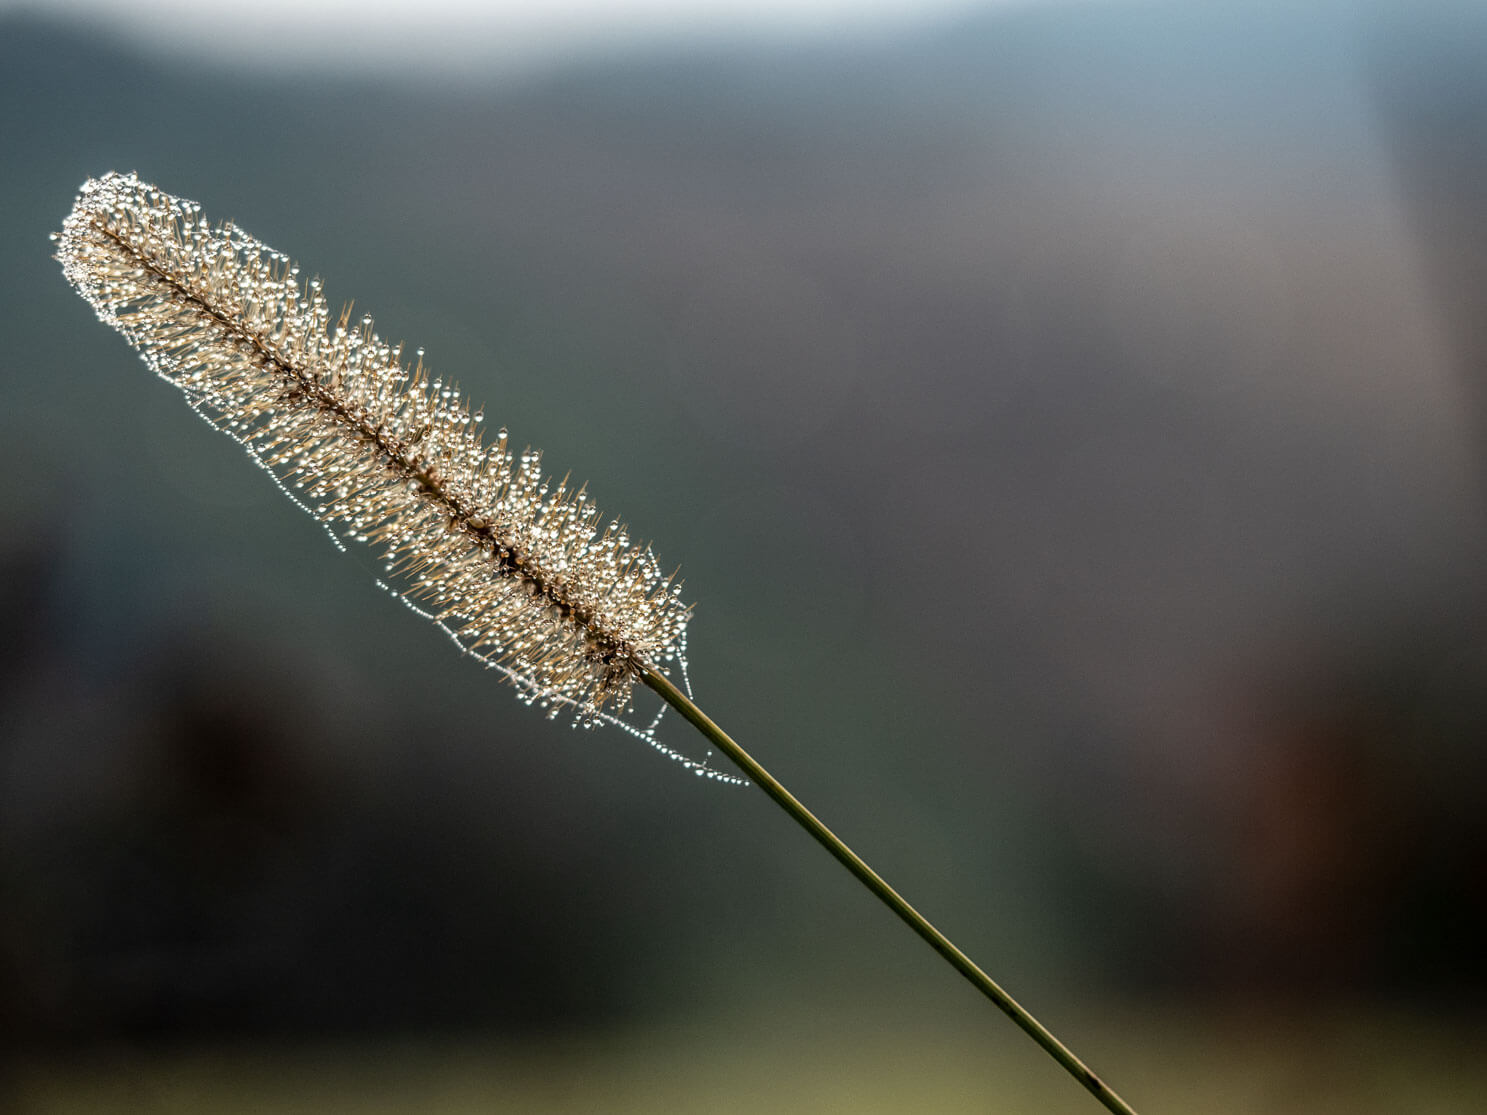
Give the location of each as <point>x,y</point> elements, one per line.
<point>1162,1062</point>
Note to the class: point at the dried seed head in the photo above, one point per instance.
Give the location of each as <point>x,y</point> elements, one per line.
<point>517,569</point>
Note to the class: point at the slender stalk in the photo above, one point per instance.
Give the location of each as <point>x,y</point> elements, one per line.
<point>890,897</point>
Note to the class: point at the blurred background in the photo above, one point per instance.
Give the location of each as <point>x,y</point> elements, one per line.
<point>1070,420</point>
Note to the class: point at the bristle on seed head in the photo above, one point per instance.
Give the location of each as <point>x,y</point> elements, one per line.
<point>520,569</point>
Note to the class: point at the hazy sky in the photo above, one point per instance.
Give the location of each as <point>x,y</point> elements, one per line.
<point>488,35</point>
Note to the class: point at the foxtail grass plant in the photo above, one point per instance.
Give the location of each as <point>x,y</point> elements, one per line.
<point>520,571</point>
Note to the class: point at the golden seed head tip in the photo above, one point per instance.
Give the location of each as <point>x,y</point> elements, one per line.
<point>525,574</point>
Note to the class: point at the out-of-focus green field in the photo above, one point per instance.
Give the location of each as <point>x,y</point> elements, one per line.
<point>1161,1062</point>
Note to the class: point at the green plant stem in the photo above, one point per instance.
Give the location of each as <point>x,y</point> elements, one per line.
<point>890,897</point>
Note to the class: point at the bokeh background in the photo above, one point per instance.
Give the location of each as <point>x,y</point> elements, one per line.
<point>1070,420</point>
